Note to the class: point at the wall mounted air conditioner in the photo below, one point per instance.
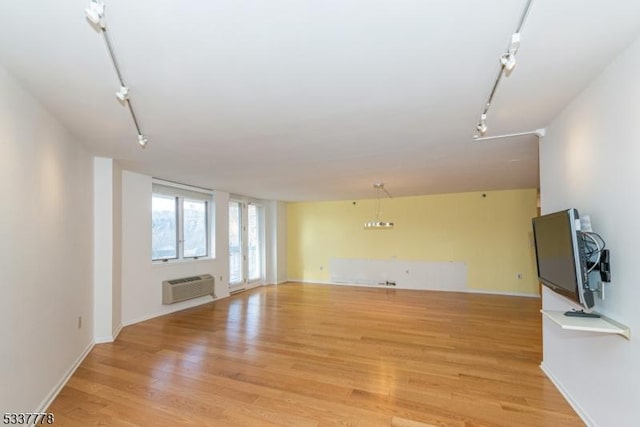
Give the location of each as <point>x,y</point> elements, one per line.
<point>177,290</point>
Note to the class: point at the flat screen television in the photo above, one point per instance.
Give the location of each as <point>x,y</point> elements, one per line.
<point>560,256</point>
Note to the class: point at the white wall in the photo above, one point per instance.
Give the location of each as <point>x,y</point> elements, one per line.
<point>276,242</point>
<point>271,243</point>
<point>107,242</point>
<point>589,160</point>
<point>103,248</point>
<point>46,250</point>
<point>281,242</point>
<point>116,275</point>
<point>142,279</point>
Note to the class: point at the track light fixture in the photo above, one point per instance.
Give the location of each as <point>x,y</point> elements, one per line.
<point>95,14</point>
<point>508,60</point>
<point>123,93</point>
<point>481,127</point>
<point>507,64</point>
<point>142,140</point>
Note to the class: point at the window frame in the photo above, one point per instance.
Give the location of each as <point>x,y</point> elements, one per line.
<point>180,193</point>
<point>207,234</point>
<point>176,234</point>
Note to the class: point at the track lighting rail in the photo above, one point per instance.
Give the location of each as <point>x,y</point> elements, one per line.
<point>507,64</point>
<point>95,14</point>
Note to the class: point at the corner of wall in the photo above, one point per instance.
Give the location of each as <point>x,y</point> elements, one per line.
<point>588,161</point>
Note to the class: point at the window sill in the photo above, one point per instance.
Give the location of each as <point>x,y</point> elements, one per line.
<point>182,261</point>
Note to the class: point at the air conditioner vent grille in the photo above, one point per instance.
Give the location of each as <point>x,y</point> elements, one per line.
<point>184,280</point>
<point>176,290</point>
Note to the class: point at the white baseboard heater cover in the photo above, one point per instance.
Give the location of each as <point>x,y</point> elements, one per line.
<point>177,290</point>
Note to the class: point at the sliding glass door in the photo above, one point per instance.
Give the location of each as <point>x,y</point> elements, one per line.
<point>236,276</point>
<point>246,244</point>
<point>254,243</point>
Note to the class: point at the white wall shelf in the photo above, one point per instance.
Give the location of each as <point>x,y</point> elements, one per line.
<point>592,324</point>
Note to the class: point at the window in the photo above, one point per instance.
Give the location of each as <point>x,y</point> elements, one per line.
<point>179,223</point>
<point>164,227</point>
<point>195,228</point>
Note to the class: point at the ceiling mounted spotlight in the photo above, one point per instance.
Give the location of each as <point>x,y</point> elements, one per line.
<point>95,13</point>
<point>508,61</point>
<point>481,127</point>
<point>142,140</point>
<point>123,93</point>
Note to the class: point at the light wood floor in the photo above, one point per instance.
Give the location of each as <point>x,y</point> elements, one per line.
<point>317,355</point>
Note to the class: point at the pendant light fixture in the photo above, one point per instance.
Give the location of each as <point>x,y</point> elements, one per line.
<point>377,224</point>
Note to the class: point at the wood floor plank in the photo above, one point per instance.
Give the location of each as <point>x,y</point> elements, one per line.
<point>318,355</point>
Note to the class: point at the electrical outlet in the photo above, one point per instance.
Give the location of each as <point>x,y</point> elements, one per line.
<point>79,322</point>
<point>519,276</point>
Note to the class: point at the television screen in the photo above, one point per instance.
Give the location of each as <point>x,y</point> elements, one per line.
<point>560,255</point>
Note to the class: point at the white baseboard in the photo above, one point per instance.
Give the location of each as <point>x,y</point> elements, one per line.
<point>315,282</point>
<point>154,315</point>
<point>105,340</point>
<point>117,332</point>
<point>510,294</point>
<point>468,290</point>
<point>142,318</point>
<point>563,391</point>
<point>63,381</point>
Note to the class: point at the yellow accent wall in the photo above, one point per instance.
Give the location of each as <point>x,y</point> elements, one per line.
<point>490,233</point>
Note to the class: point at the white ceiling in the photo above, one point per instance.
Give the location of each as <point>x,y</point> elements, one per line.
<point>314,100</point>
